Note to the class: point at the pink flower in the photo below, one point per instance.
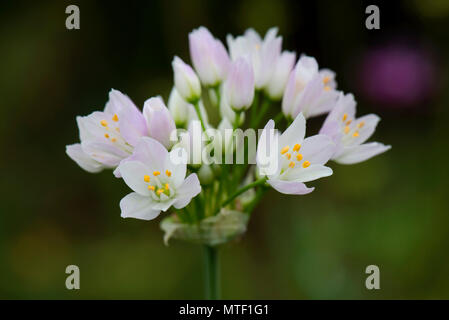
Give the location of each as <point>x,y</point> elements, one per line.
<point>239,85</point>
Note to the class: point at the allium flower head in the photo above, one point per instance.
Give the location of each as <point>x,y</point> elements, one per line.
<point>349,133</point>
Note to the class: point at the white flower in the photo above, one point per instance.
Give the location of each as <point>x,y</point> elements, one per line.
<point>309,90</point>
<point>239,85</point>
<point>182,111</point>
<point>227,112</point>
<point>263,54</point>
<point>159,121</point>
<point>278,81</point>
<point>349,133</point>
<point>209,56</point>
<point>157,182</point>
<point>186,81</point>
<point>288,160</point>
<point>108,137</point>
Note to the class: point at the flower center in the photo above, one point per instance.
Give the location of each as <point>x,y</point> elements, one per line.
<point>294,158</point>
<point>158,185</point>
<point>112,133</point>
<point>350,128</point>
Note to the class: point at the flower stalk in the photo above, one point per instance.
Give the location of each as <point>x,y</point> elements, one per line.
<point>212,273</point>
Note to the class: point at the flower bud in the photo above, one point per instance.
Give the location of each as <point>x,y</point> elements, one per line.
<point>239,85</point>
<point>179,108</point>
<point>209,56</point>
<point>278,81</point>
<point>159,121</point>
<point>186,81</point>
<point>205,174</point>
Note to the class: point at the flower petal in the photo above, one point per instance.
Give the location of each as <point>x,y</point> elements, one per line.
<point>314,172</point>
<point>178,170</point>
<point>190,188</point>
<point>136,206</point>
<point>317,149</point>
<point>150,152</point>
<point>361,153</point>
<point>370,123</point>
<point>104,153</point>
<point>294,133</point>
<point>290,187</point>
<point>76,153</point>
<point>133,173</point>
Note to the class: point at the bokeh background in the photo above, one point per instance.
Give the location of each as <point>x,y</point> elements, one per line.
<point>391,211</point>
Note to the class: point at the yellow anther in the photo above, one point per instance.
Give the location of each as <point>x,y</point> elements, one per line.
<point>306,164</point>
<point>327,88</point>
<point>345,116</point>
<point>346,129</point>
<point>291,164</point>
<point>113,139</point>
<point>356,134</point>
<point>115,118</point>
<point>146,178</point>
<point>159,192</point>
<point>104,123</point>
<point>151,188</point>
<point>348,122</point>
<point>326,79</point>
<point>299,157</point>
<point>106,136</point>
<point>167,186</point>
<point>168,173</point>
<point>296,147</point>
<point>361,124</point>
<point>156,173</point>
<point>285,149</point>
<point>288,155</point>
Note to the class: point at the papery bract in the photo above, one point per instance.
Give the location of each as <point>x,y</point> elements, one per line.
<point>295,160</point>
<point>157,182</point>
<point>209,56</point>
<point>349,133</point>
<point>309,90</point>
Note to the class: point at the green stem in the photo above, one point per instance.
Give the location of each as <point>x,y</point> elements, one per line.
<point>200,116</point>
<point>265,106</point>
<point>242,190</point>
<point>212,273</point>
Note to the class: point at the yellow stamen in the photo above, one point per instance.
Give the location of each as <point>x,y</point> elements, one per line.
<point>346,129</point>
<point>151,188</point>
<point>146,178</point>
<point>288,155</point>
<point>299,157</point>
<point>168,173</point>
<point>291,164</point>
<point>156,173</point>
<point>361,124</point>
<point>327,88</point>
<point>356,134</point>
<point>326,79</point>
<point>285,149</point>
<point>167,187</point>
<point>345,116</point>
<point>296,147</point>
<point>115,118</point>
<point>113,139</point>
<point>159,192</point>
<point>104,123</point>
<point>106,136</point>
<point>306,164</point>
<point>348,122</point>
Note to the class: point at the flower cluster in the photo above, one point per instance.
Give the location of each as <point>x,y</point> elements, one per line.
<point>158,152</point>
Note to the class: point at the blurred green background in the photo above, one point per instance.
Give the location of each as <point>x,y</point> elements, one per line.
<point>391,211</point>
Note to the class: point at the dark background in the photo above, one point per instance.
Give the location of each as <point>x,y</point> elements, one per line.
<point>391,211</point>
